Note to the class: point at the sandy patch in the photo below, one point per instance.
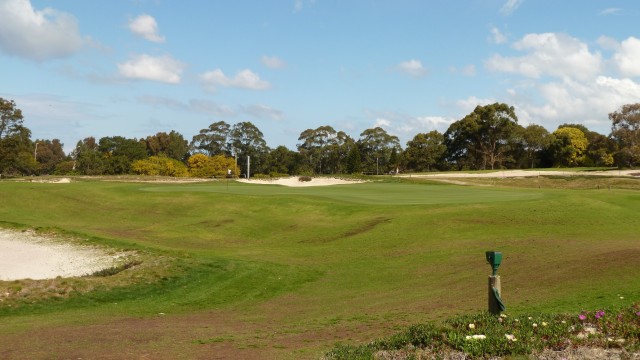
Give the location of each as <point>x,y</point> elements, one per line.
<point>524,173</point>
<point>294,182</point>
<point>26,255</point>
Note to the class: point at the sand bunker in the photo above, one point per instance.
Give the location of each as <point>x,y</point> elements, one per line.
<point>295,182</point>
<point>526,173</point>
<point>26,255</point>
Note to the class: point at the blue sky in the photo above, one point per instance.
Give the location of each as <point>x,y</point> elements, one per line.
<point>137,67</point>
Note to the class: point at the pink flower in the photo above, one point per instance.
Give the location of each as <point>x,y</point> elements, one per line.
<point>638,313</point>
<point>582,317</point>
<point>599,314</point>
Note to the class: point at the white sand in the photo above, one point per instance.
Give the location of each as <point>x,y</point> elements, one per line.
<point>25,255</point>
<point>293,181</point>
<point>523,173</point>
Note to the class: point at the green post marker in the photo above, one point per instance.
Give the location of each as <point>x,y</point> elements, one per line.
<point>496,306</point>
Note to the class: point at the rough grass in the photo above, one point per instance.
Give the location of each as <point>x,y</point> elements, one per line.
<point>278,272</point>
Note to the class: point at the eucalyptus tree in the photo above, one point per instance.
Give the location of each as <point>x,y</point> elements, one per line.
<point>118,153</point>
<point>315,146</point>
<point>16,149</point>
<point>425,151</point>
<point>535,139</point>
<point>482,138</point>
<point>376,148</point>
<point>172,145</point>
<point>88,159</point>
<point>625,130</point>
<point>246,140</point>
<point>48,154</point>
<point>212,140</point>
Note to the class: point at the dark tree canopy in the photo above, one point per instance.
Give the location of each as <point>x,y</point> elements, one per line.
<point>625,129</point>
<point>481,139</point>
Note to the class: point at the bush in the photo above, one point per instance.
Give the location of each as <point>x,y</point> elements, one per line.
<point>305,178</point>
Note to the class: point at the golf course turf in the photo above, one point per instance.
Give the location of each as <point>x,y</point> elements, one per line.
<point>232,270</point>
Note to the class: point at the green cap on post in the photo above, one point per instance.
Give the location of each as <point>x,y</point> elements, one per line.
<point>494,259</point>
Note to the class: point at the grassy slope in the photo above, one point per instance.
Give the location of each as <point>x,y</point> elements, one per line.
<point>290,266</point>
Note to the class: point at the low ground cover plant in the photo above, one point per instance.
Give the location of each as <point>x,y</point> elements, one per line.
<point>485,335</point>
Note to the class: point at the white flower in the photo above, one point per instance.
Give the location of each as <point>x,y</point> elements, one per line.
<point>564,322</point>
<point>510,337</point>
<point>503,315</point>
<point>530,318</point>
<point>544,323</point>
<point>516,320</point>
<point>472,326</point>
<point>475,337</point>
<point>534,325</point>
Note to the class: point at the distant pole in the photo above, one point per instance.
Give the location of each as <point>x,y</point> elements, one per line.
<point>35,153</point>
<point>377,166</point>
<point>248,166</point>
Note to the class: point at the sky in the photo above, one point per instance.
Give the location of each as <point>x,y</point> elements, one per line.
<point>134,68</point>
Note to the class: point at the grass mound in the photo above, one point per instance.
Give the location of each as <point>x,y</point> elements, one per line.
<point>484,335</point>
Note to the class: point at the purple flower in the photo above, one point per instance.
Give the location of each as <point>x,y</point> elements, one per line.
<point>638,313</point>
<point>582,317</point>
<point>599,314</point>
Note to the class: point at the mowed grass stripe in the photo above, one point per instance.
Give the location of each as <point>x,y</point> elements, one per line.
<point>366,193</point>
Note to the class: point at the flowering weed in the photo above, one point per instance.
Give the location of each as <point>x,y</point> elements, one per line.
<point>485,335</point>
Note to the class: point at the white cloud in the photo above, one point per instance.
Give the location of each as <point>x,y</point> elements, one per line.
<point>263,111</point>
<point>627,58</point>
<point>298,5</point>
<point>497,37</point>
<point>608,43</point>
<point>407,126</point>
<point>146,27</point>
<point>610,11</point>
<point>37,34</point>
<point>273,62</point>
<point>549,54</point>
<point>569,101</point>
<point>510,6</point>
<point>382,123</point>
<point>469,70</point>
<point>194,105</point>
<point>245,79</point>
<point>145,67</point>
<point>467,105</point>
<point>413,68</point>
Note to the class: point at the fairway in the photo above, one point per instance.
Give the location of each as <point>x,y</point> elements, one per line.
<point>262,271</point>
<point>366,193</point>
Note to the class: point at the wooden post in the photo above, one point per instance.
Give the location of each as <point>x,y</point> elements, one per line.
<point>494,282</point>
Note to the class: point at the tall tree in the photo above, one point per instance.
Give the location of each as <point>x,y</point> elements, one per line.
<point>49,154</point>
<point>625,130</point>
<point>10,118</point>
<point>119,153</point>
<point>376,147</point>
<point>315,146</point>
<point>172,145</point>
<point>246,140</point>
<point>425,151</point>
<point>535,139</point>
<point>16,148</point>
<point>89,160</point>
<point>281,160</point>
<point>213,140</point>
<point>483,136</point>
<point>569,146</point>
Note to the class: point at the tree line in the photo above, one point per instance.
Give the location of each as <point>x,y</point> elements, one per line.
<point>487,138</point>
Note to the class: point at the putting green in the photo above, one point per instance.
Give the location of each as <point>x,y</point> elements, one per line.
<point>367,193</point>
